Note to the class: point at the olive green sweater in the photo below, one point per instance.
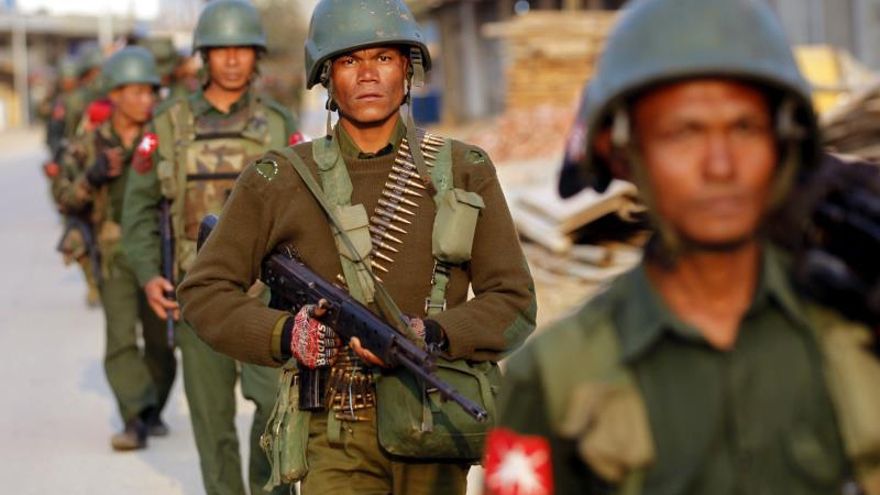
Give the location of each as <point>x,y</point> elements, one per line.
<point>268,210</point>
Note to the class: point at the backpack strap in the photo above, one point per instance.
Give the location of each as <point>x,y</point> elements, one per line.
<point>598,403</point>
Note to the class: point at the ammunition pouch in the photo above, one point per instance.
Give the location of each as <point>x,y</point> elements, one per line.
<point>287,432</point>
<point>415,422</point>
<point>455,225</point>
<point>167,175</point>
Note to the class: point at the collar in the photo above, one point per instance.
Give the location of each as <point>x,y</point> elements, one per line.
<point>352,151</point>
<point>643,317</point>
<point>201,106</point>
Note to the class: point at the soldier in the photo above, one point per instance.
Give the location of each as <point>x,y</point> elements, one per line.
<point>702,370</point>
<point>97,163</point>
<point>67,81</point>
<point>169,61</point>
<point>197,147</point>
<point>368,54</point>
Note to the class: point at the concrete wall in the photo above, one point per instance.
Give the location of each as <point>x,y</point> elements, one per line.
<point>850,24</point>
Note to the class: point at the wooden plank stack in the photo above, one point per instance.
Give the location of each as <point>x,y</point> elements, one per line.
<point>854,126</point>
<point>550,54</point>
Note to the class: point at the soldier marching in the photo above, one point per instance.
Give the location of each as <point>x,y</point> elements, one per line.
<point>706,369</point>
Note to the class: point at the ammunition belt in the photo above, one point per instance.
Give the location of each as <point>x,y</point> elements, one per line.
<point>349,388</point>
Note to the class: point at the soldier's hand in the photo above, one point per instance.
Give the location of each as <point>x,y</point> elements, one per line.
<point>114,161</point>
<point>313,344</point>
<point>367,356</point>
<point>99,173</point>
<point>155,291</point>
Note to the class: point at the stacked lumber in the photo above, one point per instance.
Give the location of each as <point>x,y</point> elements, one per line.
<point>524,133</point>
<point>853,127</point>
<point>550,54</point>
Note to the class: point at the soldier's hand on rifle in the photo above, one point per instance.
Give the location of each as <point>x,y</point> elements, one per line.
<point>430,333</point>
<point>115,161</point>
<point>156,291</point>
<point>107,166</point>
<point>313,344</point>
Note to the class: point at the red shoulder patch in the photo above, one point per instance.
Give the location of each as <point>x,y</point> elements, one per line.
<point>517,464</point>
<point>52,170</point>
<point>99,111</point>
<point>142,162</point>
<point>58,111</point>
<point>295,138</point>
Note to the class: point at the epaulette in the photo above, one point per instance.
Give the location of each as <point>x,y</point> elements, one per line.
<point>277,107</point>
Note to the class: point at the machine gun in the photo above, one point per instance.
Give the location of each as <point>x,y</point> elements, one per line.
<point>297,285</point>
<point>167,239</point>
<point>832,225</point>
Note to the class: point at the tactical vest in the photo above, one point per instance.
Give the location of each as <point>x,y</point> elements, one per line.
<point>599,405</point>
<point>201,157</point>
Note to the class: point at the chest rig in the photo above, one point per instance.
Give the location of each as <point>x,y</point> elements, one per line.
<point>201,157</point>
<point>349,388</point>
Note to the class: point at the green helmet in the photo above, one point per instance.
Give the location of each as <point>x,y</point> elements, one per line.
<point>163,51</point>
<point>341,26</point>
<point>91,58</point>
<point>229,23</point>
<point>662,41</point>
<point>68,69</point>
<point>131,65</point>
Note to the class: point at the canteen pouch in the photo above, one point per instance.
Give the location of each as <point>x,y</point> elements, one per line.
<point>416,423</point>
<point>455,225</point>
<point>287,432</point>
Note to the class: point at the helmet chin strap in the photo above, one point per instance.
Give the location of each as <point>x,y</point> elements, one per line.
<point>416,77</point>
<point>331,106</point>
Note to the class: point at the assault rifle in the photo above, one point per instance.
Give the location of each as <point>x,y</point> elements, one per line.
<point>832,225</point>
<point>297,285</point>
<point>167,238</point>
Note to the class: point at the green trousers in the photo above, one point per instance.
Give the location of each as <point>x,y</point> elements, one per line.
<point>209,379</point>
<point>140,379</point>
<point>356,465</point>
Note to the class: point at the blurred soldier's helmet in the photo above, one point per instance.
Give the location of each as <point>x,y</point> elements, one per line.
<point>662,41</point>
<point>163,51</point>
<point>229,23</point>
<point>131,65</point>
<point>91,58</point>
<point>68,69</point>
<point>342,26</point>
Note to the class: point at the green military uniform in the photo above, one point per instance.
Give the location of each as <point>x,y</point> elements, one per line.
<point>757,419</point>
<point>623,396</point>
<point>197,141</point>
<point>200,152</point>
<point>140,380</point>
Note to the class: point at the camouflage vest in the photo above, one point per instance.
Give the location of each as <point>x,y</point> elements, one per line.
<point>200,159</point>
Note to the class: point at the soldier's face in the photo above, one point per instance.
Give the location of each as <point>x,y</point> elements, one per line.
<point>368,85</point>
<point>231,68</point>
<point>709,154</point>
<point>134,101</point>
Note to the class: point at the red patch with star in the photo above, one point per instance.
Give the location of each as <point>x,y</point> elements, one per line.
<point>295,139</point>
<point>517,464</point>
<point>142,162</point>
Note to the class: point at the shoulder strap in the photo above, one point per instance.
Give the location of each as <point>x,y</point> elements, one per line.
<point>384,301</point>
<point>852,375</point>
<point>596,400</point>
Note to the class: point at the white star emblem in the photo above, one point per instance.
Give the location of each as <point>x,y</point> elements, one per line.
<point>517,473</point>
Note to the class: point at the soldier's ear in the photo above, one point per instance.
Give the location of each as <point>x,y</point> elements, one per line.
<point>606,151</point>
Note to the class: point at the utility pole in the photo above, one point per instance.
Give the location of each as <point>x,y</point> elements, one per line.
<point>20,67</point>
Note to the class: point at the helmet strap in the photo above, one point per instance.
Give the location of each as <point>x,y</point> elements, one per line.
<point>412,137</point>
<point>331,106</point>
<point>790,141</point>
<point>416,67</point>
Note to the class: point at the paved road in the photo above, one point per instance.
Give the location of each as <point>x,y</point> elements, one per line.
<point>56,410</point>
